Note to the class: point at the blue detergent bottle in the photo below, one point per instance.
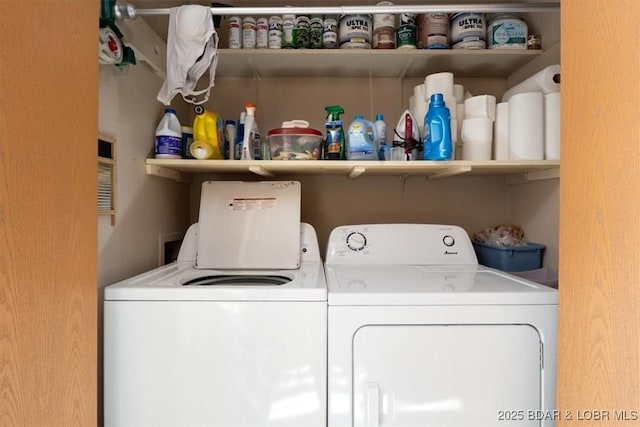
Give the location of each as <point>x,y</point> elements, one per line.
<point>437,126</point>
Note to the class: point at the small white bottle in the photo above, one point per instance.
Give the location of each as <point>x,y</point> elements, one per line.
<point>235,32</point>
<point>262,33</point>
<point>248,32</point>
<point>381,127</point>
<point>169,136</point>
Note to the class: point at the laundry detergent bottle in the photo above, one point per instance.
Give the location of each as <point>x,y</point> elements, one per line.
<point>362,140</point>
<point>437,126</point>
<point>208,135</point>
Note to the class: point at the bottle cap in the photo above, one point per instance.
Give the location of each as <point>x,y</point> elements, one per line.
<point>379,117</point>
<point>169,110</point>
<point>359,116</point>
<point>437,98</point>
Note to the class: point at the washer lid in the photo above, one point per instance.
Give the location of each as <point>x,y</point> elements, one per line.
<point>249,225</point>
<point>431,285</point>
<point>182,282</point>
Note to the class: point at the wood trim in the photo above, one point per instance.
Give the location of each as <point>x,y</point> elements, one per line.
<point>48,230</point>
<point>599,332</point>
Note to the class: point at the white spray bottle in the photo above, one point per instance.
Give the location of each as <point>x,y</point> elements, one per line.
<point>247,151</point>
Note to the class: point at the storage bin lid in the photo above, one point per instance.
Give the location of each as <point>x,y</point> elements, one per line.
<point>294,131</point>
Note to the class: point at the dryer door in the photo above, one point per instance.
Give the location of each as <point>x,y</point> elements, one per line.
<point>446,375</point>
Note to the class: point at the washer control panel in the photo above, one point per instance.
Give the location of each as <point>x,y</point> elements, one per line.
<point>356,241</point>
<point>400,244</point>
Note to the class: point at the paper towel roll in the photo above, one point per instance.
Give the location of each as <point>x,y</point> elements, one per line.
<point>459,118</point>
<point>478,129</point>
<point>419,92</point>
<point>501,132</point>
<point>438,83</point>
<point>526,126</point>
<point>480,106</point>
<point>458,92</point>
<point>545,81</point>
<point>552,126</point>
<point>476,136</point>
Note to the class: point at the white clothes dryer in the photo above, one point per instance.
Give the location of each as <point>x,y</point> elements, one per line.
<point>421,335</point>
<point>189,346</point>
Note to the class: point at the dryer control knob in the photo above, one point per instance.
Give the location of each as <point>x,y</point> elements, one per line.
<point>448,240</point>
<point>356,241</point>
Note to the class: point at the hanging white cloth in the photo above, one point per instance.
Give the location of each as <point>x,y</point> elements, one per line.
<point>192,44</point>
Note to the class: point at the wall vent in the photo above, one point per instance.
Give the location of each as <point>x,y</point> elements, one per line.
<point>107,177</point>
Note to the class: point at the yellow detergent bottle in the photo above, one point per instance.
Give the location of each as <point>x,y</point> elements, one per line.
<point>208,135</point>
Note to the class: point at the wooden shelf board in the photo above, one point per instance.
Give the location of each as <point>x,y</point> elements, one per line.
<point>269,168</point>
<point>370,62</point>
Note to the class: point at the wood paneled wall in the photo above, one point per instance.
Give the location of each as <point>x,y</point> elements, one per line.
<point>599,333</point>
<point>48,131</point>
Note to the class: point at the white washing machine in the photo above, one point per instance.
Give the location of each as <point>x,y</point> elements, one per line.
<point>224,336</point>
<point>421,335</point>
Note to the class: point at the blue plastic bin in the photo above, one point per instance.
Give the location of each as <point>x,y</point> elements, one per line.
<point>517,258</point>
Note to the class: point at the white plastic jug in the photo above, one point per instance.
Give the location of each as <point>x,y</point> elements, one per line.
<point>362,140</point>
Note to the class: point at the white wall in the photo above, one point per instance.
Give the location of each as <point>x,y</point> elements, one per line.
<point>146,206</point>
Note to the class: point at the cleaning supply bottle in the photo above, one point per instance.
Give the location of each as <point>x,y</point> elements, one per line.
<point>362,140</point>
<point>230,138</point>
<point>437,125</point>
<point>169,136</point>
<point>237,152</point>
<point>208,135</point>
<point>247,140</point>
<point>381,127</point>
<point>334,143</point>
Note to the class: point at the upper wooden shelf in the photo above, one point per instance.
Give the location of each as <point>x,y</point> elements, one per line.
<point>399,63</point>
<point>521,170</point>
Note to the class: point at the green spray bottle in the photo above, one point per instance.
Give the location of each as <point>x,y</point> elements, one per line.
<point>334,143</point>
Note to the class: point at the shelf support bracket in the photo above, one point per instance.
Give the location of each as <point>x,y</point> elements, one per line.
<point>166,173</point>
<point>259,170</point>
<point>539,175</point>
<point>454,170</point>
<point>356,171</point>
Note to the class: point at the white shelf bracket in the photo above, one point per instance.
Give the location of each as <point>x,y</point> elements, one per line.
<point>166,173</point>
<point>259,170</point>
<point>454,170</point>
<point>356,171</point>
<point>539,175</point>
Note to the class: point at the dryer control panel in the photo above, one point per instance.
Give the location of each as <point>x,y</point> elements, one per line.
<point>400,244</point>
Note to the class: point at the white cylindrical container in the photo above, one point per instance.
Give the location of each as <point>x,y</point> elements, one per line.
<point>526,126</point>
<point>235,32</point>
<point>275,32</point>
<point>501,132</point>
<point>552,126</point>
<point>355,32</point>
<point>168,139</point>
<point>468,31</point>
<point>248,32</point>
<point>288,28</point>
<point>262,33</point>
<point>384,25</point>
<point>384,19</point>
<point>433,30</point>
<point>506,31</point>
<point>330,32</point>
